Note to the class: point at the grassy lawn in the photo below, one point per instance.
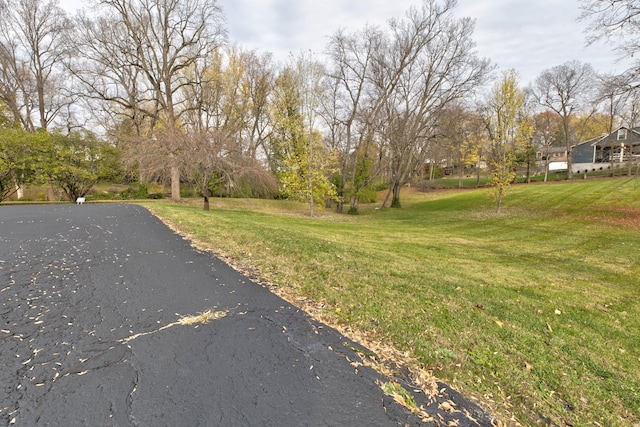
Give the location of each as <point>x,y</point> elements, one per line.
<point>535,312</point>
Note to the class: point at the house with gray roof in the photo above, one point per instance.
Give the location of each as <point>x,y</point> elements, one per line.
<point>619,148</point>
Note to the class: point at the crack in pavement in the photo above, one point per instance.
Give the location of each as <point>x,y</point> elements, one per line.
<point>202,318</point>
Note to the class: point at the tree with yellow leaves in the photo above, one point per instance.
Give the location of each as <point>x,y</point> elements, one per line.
<point>464,136</point>
<point>299,158</point>
<point>509,129</point>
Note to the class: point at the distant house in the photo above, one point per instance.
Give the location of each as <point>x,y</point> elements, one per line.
<point>621,146</point>
<point>555,157</point>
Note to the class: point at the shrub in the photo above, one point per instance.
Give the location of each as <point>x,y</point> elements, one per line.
<point>136,190</point>
<point>382,186</point>
<point>368,195</point>
<point>187,192</point>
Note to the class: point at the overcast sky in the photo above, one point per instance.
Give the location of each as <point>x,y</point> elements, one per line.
<point>527,35</point>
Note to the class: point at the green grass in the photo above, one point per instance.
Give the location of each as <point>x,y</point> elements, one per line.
<point>535,311</point>
<point>471,181</point>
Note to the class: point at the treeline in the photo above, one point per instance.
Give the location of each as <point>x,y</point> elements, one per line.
<point>74,162</point>
<point>169,94</point>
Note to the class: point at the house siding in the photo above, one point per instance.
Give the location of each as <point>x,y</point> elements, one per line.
<point>622,145</point>
<point>583,153</point>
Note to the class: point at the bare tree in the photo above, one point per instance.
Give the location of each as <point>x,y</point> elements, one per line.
<point>216,100</point>
<point>32,48</point>
<point>431,61</point>
<point>259,81</point>
<point>111,81</point>
<point>630,116</point>
<point>547,125</point>
<point>213,159</point>
<point>564,89</point>
<point>352,111</point>
<point>231,98</point>
<point>390,87</point>
<point>209,162</point>
<point>613,92</point>
<point>616,21</point>
<point>631,112</point>
<point>157,42</point>
<point>463,134</point>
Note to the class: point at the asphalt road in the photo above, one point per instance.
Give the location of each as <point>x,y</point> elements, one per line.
<point>90,335</point>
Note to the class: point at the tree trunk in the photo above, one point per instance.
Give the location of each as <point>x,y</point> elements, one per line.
<point>340,205</point>
<point>546,170</point>
<point>206,203</point>
<point>565,124</point>
<point>611,158</point>
<point>353,204</point>
<point>386,198</point>
<point>499,200</point>
<point>51,196</point>
<point>395,202</point>
<point>20,189</point>
<point>175,183</point>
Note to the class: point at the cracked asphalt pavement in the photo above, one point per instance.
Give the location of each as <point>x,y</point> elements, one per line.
<point>90,334</point>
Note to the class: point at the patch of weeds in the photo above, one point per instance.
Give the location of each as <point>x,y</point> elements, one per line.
<point>444,353</point>
<point>404,398</point>
<point>400,395</point>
